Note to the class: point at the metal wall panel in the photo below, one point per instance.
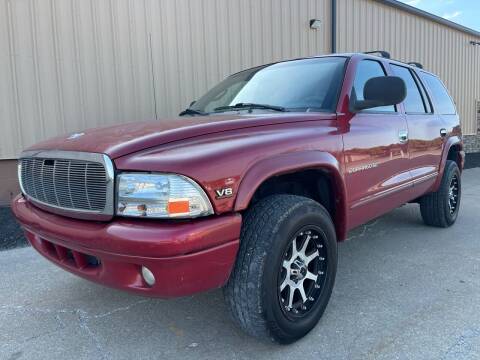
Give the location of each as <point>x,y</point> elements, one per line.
<point>66,65</point>
<point>198,43</point>
<point>370,25</point>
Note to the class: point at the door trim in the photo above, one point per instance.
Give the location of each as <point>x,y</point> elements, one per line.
<point>393,190</point>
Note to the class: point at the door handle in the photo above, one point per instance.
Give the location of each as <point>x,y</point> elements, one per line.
<point>443,132</point>
<point>403,136</point>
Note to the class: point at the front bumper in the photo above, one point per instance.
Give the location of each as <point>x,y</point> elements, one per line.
<point>186,257</point>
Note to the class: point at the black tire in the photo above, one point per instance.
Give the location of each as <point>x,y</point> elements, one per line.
<point>253,292</point>
<point>436,207</point>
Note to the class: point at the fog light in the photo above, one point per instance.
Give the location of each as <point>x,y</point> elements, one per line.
<point>148,276</point>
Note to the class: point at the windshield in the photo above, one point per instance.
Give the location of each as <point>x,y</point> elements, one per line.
<point>298,85</point>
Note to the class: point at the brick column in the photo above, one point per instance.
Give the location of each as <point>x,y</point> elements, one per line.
<point>472,142</point>
<point>478,117</point>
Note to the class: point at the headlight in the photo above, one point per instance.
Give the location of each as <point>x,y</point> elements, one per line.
<point>160,196</point>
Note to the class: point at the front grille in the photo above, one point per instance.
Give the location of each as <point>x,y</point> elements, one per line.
<point>65,183</point>
<point>71,184</point>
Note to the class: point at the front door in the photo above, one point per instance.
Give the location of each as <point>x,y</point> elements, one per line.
<point>376,154</point>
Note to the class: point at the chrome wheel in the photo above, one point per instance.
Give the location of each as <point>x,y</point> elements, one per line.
<point>302,273</point>
<point>453,192</point>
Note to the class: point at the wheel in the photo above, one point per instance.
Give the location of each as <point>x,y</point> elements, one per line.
<point>285,269</point>
<point>441,208</point>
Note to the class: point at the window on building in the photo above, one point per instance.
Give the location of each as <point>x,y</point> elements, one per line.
<point>366,70</point>
<point>443,103</point>
<point>413,103</point>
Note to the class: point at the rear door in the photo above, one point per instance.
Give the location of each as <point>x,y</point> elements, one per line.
<point>376,153</point>
<point>424,131</point>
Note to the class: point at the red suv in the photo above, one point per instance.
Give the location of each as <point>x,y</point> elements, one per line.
<point>251,188</point>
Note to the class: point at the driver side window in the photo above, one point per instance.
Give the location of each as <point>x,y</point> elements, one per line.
<point>366,70</point>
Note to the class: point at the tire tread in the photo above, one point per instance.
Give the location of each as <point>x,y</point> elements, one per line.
<point>263,218</point>
<point>432,207</point>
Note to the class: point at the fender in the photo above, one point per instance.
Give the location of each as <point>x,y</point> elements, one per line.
<point>452,141</point>
<point>291,162</point>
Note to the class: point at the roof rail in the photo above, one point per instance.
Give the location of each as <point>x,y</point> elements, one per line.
<point>416,64</point>
<point>382,53</point>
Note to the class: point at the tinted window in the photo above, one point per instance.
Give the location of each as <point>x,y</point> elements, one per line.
<point>443,103</point>
<point>299,85</point>
<point>413,102</point>
<point>366,70</point>
<point>426,98</point>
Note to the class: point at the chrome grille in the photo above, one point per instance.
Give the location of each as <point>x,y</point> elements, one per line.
<point>78,184</point>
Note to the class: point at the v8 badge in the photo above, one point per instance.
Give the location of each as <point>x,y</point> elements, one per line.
<point>224,193</point>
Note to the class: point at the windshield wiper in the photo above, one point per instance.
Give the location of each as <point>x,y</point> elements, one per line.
<point>192,112</point>
<point>250,106</point>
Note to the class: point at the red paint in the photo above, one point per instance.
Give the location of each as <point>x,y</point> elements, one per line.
<point>124,139</point>
<point>234,153</point>
<point>241,152</point>
<point>185,257</point>
<point>291,162</point>
<point>402,168</point>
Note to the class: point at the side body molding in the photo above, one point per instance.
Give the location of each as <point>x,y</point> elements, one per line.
<point>291,162</point>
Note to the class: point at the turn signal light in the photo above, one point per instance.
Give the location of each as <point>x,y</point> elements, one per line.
<point>181,206</point>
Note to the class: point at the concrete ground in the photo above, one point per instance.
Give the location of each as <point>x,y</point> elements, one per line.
<point>472,160</point>
<point>403,291</point>
<point>11,236</point>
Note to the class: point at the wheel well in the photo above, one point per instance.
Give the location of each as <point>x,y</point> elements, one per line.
<point>454,154</point>
<point>314,184</point>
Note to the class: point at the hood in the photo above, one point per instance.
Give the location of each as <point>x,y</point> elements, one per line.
<point>119,140</point>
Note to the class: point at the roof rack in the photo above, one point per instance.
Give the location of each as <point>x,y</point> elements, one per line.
<point>416,64</point>
<point>386,55</point>
<point>382,53</point>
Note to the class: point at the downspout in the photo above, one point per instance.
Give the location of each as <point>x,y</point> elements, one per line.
<point>334,26</point>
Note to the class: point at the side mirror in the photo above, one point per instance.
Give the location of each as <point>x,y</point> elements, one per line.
<point>380,91</point>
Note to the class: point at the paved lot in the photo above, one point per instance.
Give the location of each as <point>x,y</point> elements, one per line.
<point>404,291</point>
<point>11,236</point>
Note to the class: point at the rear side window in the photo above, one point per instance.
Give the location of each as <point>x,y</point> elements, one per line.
<point>366,70</point>
<point>426,98</point>
<point>414,102</point>
<point>443,103</point>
